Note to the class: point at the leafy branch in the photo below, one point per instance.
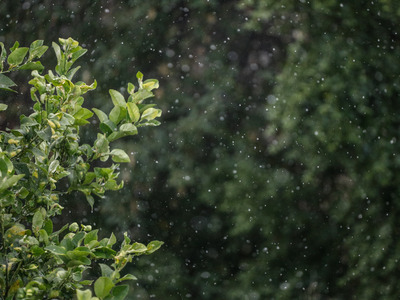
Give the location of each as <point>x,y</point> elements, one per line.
<point>36,261</point>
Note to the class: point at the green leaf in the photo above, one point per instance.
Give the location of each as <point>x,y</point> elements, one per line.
<point>131,88</point>
<point>79,262</point>
<point>3,107</point>
<point>90,200</point>
<point>72,72</point>
<point>6,166</point>
<point>103,286</point>
<point>153,246</point>
<point>86,282</point>
<point>36,250</point>
<point>106,271</point>
<point>112,185</point>
<point>87,150</point>
<point>112,240</point>
<point>101,144</point>
<point>89,177</point>
<point>91,236</point>
<point>3,56</point>
<point>6,83</point>
<point>115,136</point>
<point>150,123</point>
<point>108,127</point>
<point>57,250</point>
<point>150,84</point>
<point>45,134</point>
<point>78,237</point>
<point>151,113</point>
<point>43,236</point>
<point>39,154</point>
<point>119,156</point>
<point>67,119</point>
<point>137,248</point>
<point>133,112</point>
<point>17,56</point>
<point>3,167</point>
<point>117,114</point>
<point>37,221</point>
<point>128,128</point>
<point>140,95</point>
<point>35,44</point>
<point>28,121</point>
<point>100,114</point>
<point>143,107</point>
<point>104,252</point>
<point>48,226</point>
<point>84,295</point>
<point>120,292</point>
<point>78,54</point>
<point>15,46</point>
<point>81,115</point>
<point>78,254</point>
<point>53,166</point>
<point>37,65</point>
<point>139,75</point>
<point>127,277</point>
<point>57,51</point>
<point>36,49</point>
<point>117,98</point>
<point>74,227</point>
<point>7,182</point>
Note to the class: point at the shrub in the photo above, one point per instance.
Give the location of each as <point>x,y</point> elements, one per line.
<point>43,160</point>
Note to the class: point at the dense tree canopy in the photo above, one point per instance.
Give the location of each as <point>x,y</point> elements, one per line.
<point>275,173</point>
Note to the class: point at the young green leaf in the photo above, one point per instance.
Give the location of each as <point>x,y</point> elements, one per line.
<point>36,49</point>
<point>127,277</point>
<point>84,295</point>
<point>15,46</point>
<point>57,51</point>
<point>116,114</point>
<point>131,88</point>
<point>57,250</point>
<point>3,55</point>
<point>133,112</point>
<point>100,114</point>
<point>103,286</point>
<point>153,246</point>
<point>91,236</point>
<point>119,156</point>
<point>17,56</point>
<point>151,113</point>
<point>117,98</point>
<point>128,129</point>
<point>150,84</point>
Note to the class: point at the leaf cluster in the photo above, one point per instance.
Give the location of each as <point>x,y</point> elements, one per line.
<point>42,161</point>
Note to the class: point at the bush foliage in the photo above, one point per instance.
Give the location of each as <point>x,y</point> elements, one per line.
<point>43,160</point>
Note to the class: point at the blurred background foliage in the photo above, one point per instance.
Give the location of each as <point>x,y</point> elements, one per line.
<point>275,173</point>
